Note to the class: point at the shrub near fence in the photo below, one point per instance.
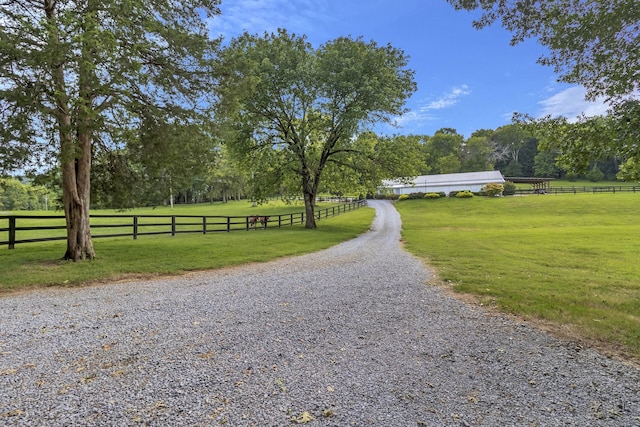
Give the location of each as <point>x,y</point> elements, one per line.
<point>35,228</point>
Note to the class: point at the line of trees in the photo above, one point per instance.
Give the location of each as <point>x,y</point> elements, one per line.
<point>16,195</point>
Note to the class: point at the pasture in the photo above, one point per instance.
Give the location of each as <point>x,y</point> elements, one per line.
<point>39,264</point>
<point>567,262</point>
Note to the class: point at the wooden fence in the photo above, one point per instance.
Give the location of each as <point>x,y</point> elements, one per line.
<point>576,190</point>
<point>30,228</point>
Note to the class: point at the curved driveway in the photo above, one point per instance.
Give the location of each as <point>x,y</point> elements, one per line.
<point>351,335</point>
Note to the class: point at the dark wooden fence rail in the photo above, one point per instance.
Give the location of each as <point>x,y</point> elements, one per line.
<point>142,225</point>
<point>576,190</point>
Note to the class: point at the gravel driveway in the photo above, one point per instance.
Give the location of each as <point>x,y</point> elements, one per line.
<point>348,336</point>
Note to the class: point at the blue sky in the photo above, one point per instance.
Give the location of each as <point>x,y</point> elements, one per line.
<point>467,79</point>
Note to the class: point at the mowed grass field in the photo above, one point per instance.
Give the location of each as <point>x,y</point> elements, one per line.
<point>570,262</point>
<point>32,265</point>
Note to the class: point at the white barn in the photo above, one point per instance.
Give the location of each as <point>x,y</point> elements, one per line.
<point>446,183</point>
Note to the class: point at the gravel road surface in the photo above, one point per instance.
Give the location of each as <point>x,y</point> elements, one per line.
<point>350,336</point>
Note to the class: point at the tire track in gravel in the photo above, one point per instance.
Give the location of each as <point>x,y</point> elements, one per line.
<point>348,336</point>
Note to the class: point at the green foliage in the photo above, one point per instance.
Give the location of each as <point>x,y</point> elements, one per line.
<point>571,177</point>
<point>509,188</point>
<point>443,151</point>
<point>567,259</point>
<point>545,165</point>
<point>493,189</point>
<point>513,169</point>
<point>630,170</point>
<point>403,197</point>
<point>289,112</point>
<point>77,79</point>
<point>16,196</point>
<point>476,154</point>
<point>432,196</point>
<point>594,175</point>
<point>146,59</point>
<point>466,194</point>
<point>581,143</point>
<point>591,43</point>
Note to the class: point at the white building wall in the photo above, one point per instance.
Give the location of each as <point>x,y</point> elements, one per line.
<point>472,181</point>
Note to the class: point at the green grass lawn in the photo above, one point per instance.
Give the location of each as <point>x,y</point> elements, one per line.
<point>570,260</point>
<point>39,264</point>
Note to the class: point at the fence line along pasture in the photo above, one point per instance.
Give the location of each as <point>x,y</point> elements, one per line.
<point>39,228</point>
<point>576,190</point>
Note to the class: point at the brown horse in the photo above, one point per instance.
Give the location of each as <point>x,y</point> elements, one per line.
<point>253,220</point>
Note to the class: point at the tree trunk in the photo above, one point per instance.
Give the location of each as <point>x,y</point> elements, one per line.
<point>75,197</point>
<point>309,192</point>
<point>75,156</point>
<point>76,178</point>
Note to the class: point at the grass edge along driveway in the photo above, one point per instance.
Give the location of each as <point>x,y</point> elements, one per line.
<point>568,261</point>
<point>30,266</point>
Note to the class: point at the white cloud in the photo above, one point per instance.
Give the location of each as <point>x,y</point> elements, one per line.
<point>448,99</point>
<point>424,112</point>
<point>571,103</point>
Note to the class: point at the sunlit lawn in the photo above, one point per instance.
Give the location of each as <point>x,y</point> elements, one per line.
<point>568,259</point>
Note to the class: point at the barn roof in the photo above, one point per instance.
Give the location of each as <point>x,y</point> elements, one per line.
<point>468,178</point>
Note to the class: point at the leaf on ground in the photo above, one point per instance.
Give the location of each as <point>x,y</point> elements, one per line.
<point>304,418</point>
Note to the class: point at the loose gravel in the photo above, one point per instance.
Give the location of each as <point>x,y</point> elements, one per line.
<point>350,336</point>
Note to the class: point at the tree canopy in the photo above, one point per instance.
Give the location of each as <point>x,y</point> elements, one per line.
<point>294,114</point>
<point>77,78</point>
<point>594,43</point>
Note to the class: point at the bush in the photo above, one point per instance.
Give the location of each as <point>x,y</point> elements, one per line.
<point>571,177</point>
<point>509,189</point>
<point>403,197</point>
<point>493,189</point>
<point>464,194</point>
<point>594,175</point>
<point>432,196</point>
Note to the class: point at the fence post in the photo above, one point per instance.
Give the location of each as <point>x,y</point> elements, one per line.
<point>204,225</point>
<point>135,227</point>
<point>12,232</point>
<point>173,226</point>
<point>228,224</point>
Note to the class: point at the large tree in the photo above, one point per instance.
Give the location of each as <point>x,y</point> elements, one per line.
<point>77,76</point>
<point>589,139</point>
<point>443,151</point>
<point>594,43</point>
<point>295,111</point>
